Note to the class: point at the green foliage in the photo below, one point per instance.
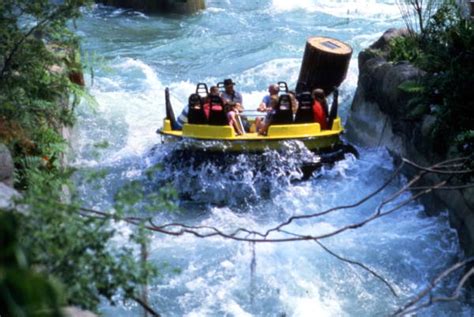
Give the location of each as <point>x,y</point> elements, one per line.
<point>37,57</point>
<point>412,87</point>
<point>77,250</point>
<point>23,292</point>
<point>404,48</point>
<point>445,50</point>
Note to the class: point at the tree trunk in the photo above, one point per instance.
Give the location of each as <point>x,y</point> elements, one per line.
<point>325,64</point>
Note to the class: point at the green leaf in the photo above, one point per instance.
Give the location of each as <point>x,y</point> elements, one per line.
<point>412,87</point>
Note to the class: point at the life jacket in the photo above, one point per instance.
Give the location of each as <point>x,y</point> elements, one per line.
<point>206,108</point>
<point>217,113</point>
<point>319,115</point>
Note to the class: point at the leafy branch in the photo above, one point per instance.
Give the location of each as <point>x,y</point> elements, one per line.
<point>57,13</point>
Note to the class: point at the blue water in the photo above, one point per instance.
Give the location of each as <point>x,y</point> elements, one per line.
<point>135,56</point>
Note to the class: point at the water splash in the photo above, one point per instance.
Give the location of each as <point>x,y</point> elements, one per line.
<point>230,178</point>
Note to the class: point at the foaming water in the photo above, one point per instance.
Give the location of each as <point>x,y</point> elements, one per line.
<point>362,9</point>
<point>254,43</point>
<point>229,178</point>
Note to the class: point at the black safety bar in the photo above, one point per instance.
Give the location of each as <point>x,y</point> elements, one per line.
<point>221,86</point>
<point>201,89</point>
<point>283,86</point>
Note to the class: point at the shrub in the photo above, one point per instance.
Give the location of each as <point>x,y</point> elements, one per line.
<point>445,50</point>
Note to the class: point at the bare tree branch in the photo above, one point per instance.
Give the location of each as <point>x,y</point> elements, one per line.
<point>434,169</point>
<point>412,307</point>
<point>178,229</point>
<point>471,185</point>
<point>416,13</point>
<point>358,203</point>
<point>145,306</point>
<point>363,266</point>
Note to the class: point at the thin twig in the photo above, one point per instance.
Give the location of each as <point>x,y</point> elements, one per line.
<point>363,266</point>
<point>411,307</point>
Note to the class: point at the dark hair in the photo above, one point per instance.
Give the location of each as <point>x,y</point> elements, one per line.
<point>318,93</point>
<point>228,82</point>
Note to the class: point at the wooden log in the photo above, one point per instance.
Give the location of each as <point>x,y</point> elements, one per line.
<point>187,6</point>
<point>159,6</point>
<point>325,64</point>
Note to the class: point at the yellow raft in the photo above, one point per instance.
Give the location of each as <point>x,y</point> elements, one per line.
<point>222,138</point>
<point>310,134</point>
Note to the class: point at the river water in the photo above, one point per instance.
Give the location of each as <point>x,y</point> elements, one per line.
<point>255,43</point>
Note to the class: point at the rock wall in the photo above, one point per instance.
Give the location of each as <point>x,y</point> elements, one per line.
<point>159,6</point>
<point>380,115</point>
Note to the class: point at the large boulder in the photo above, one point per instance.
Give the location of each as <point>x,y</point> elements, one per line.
<point>381,115</point>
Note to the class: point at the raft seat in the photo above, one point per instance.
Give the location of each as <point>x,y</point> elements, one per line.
<point>304,114</point>
<point>217,113</point>
<point>283,112</point>
<point>196,113</point>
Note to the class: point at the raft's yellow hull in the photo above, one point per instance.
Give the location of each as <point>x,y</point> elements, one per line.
<point>223,138</point>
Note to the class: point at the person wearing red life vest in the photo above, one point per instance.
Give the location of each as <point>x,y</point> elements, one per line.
<point>320,107</point>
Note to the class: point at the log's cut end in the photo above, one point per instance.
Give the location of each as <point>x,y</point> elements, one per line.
<point>330,45</point>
